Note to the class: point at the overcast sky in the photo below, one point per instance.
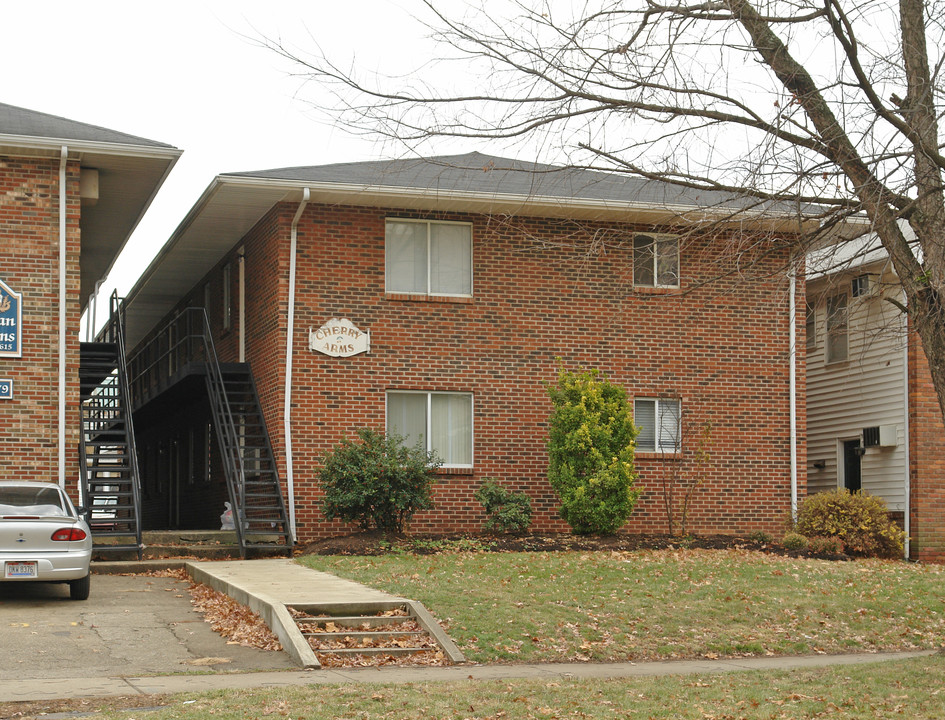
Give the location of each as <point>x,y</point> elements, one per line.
<point>189,74</point>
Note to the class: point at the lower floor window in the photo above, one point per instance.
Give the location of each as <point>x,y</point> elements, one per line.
<point>658,422</point>
<point>437,421</point>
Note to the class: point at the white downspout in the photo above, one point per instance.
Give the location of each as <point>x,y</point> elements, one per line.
<point>907,486</point>
<point>290,332</point>
<point>63,157</point>
<point>792,374</point>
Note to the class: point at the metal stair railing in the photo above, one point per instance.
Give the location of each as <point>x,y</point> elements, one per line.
<point>117,328</point>
<point>259,466</point>
<point>185,337</point>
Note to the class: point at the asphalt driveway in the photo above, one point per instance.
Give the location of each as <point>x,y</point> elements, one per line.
<point>129,626</point>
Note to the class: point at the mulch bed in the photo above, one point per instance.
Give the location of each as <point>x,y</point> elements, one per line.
<point>379,543</point>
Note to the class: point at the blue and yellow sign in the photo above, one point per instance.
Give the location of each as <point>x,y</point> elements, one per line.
<point>11,322</point>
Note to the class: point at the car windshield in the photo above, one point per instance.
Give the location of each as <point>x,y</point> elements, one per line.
<point>18,500</point>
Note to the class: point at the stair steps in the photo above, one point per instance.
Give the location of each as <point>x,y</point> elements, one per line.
<point>106,450</point>
<point>255,491</point>
<point>394,633</point>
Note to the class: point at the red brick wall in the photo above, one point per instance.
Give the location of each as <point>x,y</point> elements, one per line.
<point>926,460</point>
<point>29,264</point>
<point>542,289</point>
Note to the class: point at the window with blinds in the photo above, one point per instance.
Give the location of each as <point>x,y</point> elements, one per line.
<point>428,258</point>
<point>437,421</point>
<point>658,422</point>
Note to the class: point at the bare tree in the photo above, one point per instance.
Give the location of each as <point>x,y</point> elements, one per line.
<point>683,467</point>
<point>834,103</point>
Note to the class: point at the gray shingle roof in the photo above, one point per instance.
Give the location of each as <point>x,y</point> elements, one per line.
<point>485,174</point>
<point>30,123</point>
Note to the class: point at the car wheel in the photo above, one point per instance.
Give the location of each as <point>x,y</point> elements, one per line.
<point>79,589</point>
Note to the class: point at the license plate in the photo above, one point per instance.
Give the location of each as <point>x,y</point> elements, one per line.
<point>19,570</point>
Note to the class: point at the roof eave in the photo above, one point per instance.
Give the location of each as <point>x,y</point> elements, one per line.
<point>537,205</point>
<point>53,145</point>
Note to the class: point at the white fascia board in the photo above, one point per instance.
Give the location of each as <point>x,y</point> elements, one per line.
<point>382,195</point>
<point>53,145</point>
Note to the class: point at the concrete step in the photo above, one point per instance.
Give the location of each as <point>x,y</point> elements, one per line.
<point>203,544</point>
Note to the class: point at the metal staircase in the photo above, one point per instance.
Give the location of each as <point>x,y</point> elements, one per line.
<point>259,511</point>
<point>185,344</point>
<point>108,461</point>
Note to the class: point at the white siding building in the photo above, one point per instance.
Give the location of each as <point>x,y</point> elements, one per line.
<point>857,422</point>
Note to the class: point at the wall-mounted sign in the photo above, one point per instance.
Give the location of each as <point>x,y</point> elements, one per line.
<point>11,322</point>
<point>6,389</point>
<point>339,338</point>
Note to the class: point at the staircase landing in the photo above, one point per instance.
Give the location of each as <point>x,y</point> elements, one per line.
<point>189,544</point>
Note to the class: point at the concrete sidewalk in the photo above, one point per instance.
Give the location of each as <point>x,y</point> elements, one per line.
<point>60,688</point>
<point>275,584</point>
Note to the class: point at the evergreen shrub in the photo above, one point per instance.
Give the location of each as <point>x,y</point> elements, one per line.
<point>376,481</point>
<point>590,445</point>
<point>859,520</point>
<point>507,510</point>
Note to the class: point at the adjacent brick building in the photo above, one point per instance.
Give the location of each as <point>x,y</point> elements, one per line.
<point>70,195</point>
<point>473,276</point>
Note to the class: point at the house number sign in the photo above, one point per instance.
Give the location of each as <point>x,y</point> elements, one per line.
<point>6,389</point>
<point>11,322</point>
<point>339,338</point>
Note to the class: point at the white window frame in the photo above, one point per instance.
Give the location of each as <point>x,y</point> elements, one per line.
<point>658,240</point>
<point>429,420</point>
<point>429,282</point>
<point>672,448</point>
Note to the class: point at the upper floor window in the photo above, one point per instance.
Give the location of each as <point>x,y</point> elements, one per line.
<point>429,258</point>
<point>658,422</point>
<point>811,327</point>
<point>437,421</point>
<point>837,345</point>
<point>655,260</point>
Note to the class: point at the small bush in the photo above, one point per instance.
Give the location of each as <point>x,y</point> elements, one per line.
<point>376,481</point>
<point>821,545</point>
<point>794,541</point>
<point>858,520</point>
<point>760,537</point>
<point>507,510</point>
<point>590,446</point>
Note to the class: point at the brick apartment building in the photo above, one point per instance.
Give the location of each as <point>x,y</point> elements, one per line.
<point>70,195</point>
<point>449,287</point>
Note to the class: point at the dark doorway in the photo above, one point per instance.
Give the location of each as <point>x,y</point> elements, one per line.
<point>852,451</point>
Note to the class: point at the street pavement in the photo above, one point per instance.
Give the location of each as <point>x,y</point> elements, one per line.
<point>130,625</point>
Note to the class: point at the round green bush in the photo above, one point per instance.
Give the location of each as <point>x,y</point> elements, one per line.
<point>859,520</point>
<point>821,545</point>
<point>590,446</point>
<point>377,481</point>
<point>794,541</point>
<point>507,510</point>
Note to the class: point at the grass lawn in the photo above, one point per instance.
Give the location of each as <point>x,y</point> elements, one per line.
<point>571,606</point>
<point>906,689</point>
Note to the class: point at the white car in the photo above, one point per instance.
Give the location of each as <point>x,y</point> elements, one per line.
<point>42,537</point>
